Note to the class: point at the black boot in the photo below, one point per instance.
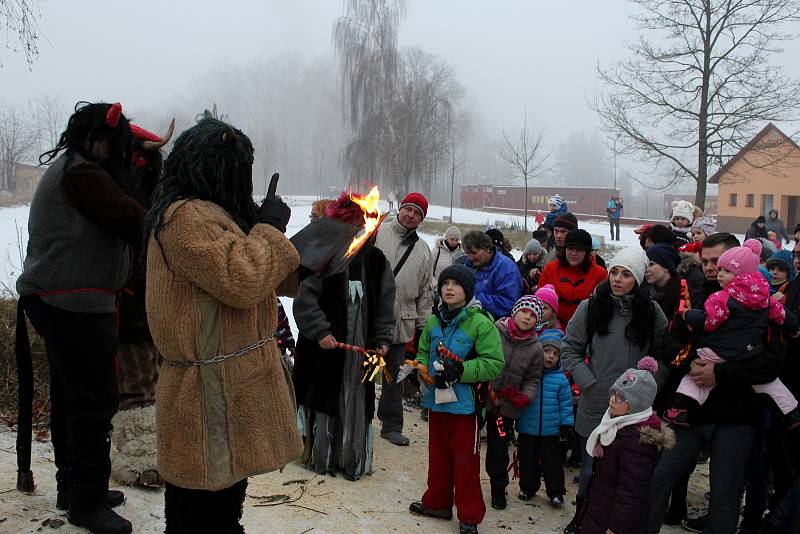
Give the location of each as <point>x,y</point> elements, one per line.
<point>100,520</point>
<point>113,499</point>
<point>574,526</point>
<point>499,497</point>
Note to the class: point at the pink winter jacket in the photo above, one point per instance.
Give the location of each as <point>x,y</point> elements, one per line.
<point>751,291</point>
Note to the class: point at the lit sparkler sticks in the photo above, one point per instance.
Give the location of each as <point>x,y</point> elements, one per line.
<point>373,362</point>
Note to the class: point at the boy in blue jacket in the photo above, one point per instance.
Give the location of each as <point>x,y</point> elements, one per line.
<point>542,423</point>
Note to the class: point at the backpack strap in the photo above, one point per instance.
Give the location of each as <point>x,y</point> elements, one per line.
<point>411,239</point>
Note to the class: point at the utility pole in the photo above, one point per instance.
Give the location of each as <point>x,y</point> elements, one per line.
<point>615,163</point>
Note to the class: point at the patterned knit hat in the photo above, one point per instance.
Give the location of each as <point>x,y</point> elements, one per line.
<point>707,225</point>
<point>547,294</point>
<point>528,302</point>
<point>556,201</point>
<point>638,386</point>
<point>416,201</point>
<point>742,260</point>
<point>552,337</point>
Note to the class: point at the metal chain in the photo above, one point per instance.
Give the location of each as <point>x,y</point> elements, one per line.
<point>221,357</point>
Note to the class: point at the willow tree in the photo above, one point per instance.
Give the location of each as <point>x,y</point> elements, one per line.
<point>365,43</point>
<point>696,93</point>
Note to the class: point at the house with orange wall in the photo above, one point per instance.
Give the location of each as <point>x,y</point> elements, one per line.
<point>763,175</point>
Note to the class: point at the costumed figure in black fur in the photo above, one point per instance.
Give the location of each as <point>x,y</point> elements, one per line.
<point>357,308</point>
<point>82,226</point>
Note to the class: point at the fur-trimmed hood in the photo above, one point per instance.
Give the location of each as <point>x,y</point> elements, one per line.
<point>660,435</point>
<point>688,260</point>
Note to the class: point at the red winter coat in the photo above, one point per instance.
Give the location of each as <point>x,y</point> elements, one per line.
<point>619,491</point>
<point>572,285</point>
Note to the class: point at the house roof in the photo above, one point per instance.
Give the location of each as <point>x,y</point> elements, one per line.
<point>749,146</point>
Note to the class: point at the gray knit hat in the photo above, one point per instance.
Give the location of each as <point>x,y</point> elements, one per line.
<point>705,224</point>
<point>533,247</point>
<point>638,386</point>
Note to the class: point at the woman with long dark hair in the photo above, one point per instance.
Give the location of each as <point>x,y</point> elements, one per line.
<point>574,274</point>
<point>609,333</point>
<point>215,261</point>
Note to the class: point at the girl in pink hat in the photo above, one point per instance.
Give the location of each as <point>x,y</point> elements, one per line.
<point>549,320</point>
<point>734,321</point>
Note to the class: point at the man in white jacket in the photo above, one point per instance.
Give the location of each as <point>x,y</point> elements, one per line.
<point>410,260</point>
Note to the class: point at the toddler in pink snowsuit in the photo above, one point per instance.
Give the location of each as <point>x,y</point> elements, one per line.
<point>734,321</point>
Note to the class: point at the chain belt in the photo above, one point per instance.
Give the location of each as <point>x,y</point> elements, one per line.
<point>220,358</point>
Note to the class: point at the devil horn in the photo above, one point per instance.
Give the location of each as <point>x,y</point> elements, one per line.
<point>229,136</point>
<point>112,117</point>
<point>156,145</point>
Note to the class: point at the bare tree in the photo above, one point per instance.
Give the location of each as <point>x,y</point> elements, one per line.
<point>524,156</point>
<point>365,42</point>
<point>51,116</point>
<point>697,100</point>
<point>19,21</point>
<point>18,139</point>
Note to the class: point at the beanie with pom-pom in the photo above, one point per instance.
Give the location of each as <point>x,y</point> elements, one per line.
<point>638,386</point>
<point>742,260</point>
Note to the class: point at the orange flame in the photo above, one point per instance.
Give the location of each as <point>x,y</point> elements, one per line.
<point>372,218</point>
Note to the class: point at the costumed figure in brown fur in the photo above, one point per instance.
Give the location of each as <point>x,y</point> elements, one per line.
<point>215,262</point>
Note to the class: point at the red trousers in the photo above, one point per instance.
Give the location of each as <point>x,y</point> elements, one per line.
<point>454,463</point>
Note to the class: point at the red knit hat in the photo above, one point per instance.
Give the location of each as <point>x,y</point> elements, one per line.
<point>742,260</point>
<point>416,201</point>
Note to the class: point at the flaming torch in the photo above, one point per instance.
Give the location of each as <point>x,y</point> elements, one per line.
<point>327,245</point>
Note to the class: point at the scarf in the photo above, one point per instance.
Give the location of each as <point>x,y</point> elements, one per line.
<point>516,334</point>
<point>603,435</point>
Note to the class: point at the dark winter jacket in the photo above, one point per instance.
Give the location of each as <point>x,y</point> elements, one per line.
<point>774,224</point>
<point>608,357</point>
<point>77,258</point>
<point>552,407</point>
<point>682,235</point>
<point>321,309</point>
<point>525,268</point>
<point>522,369</point>
<point>691,270</point>
<point>550,218</point>
<point>790,373</point>
<point>572,285</point>
<point>497,285</point>
<point>283,332</point>
<point>619,491</point>
<point>754,232</point>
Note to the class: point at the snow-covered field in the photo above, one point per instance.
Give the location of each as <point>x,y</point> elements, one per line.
<point>14,233</point>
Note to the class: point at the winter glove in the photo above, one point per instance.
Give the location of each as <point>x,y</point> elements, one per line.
<point>452,373</point>
<point>517,398</point>
<point>275,212</point>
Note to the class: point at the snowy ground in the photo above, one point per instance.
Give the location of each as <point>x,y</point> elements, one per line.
<point>377,503</point>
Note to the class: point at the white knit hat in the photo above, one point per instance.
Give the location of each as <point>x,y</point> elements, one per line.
<point>633,259</point>
<point>682,208</point>
<point>452,231</point>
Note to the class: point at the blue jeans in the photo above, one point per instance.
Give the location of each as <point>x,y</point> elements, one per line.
<point>730,447</point>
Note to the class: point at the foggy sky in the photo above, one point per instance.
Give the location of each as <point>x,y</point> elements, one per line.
<point>509,55</point>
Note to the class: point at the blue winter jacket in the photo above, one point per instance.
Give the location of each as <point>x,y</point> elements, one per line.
<point>551,408</point>
<point>617,213</point>
<point>551,216</point>
<point>498,285</point>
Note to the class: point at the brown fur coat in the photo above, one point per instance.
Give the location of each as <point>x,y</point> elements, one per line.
<point>219,423</point>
